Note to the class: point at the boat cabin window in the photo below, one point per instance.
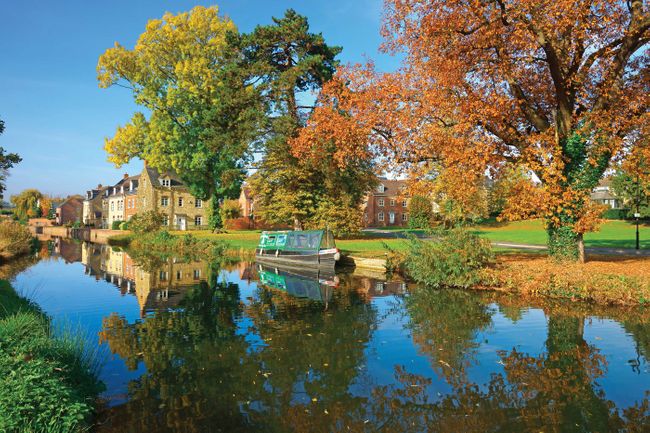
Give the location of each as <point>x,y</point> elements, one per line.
<point>314,240</point>
<point>328,240</point>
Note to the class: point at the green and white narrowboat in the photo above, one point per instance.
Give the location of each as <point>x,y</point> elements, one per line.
<point>313,248</point>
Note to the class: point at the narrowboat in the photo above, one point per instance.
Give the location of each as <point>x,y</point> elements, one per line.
<point>312,248</point>
<point>314,284</point>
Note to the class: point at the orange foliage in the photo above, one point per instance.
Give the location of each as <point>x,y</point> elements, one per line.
<point>489,84</point>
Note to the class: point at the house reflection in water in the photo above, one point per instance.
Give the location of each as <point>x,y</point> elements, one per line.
<point>160,289</point>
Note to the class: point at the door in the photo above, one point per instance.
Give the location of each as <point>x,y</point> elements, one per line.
<point>391,217</point>
<point>182,224</point>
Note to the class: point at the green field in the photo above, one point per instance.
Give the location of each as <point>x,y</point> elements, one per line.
<point>612,234</point>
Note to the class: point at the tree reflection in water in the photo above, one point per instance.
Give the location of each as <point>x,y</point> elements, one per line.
<point>278,363</point>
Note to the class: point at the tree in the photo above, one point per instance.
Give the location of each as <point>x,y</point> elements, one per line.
<point>202,114</point>
<point>556,87</point>
<point>7,160</point>
<point>299,185</point>
<point>230,209</point>
<point>420,212</point>
<point>146,222</point>
<point>27,204</point>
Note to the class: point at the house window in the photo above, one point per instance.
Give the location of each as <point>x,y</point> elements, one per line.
<point>164,201</point>
<point>165,220</point>
<point>112,205</point>
<point>179,275</point>
<point>198,203</point>
<point>197,274</point>
<point>198,221</point>
<point>404,203</point>
<point>381,188</point>
<point>163,276</point>
<point>380,202</point>
<point>405,217</point>
<point>392,202</point>
<point>165,182</point>
<point>380,216</point>
<point>180,201</point>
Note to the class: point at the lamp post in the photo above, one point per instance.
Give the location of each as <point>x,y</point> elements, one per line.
<point>637,214</point>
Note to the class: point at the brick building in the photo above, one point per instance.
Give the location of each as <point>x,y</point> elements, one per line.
<point>70,210</point>
<point>167,194</point>
<point>387,204</point>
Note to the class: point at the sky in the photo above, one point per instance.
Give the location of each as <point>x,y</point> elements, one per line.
<point>56,117</point>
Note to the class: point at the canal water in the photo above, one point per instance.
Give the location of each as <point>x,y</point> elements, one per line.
<point>195,347</point>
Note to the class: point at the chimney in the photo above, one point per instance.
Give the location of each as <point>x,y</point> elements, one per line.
<point>99,186</point>
<point>126,175</point>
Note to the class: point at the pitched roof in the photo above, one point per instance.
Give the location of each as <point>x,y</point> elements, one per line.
<point>391,186</point>
<point>155,177</point>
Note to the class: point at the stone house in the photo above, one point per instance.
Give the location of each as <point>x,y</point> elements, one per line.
<point>69,211</point>
<point>92,207</point>
<point>167,194</point>
<point>387,204</point>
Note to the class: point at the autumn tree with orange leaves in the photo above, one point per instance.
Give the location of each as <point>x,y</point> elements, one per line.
<point>559,88</point>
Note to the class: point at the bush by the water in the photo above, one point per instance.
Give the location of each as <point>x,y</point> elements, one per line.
<point>453,258</point>
<point>115,225</point>
<point>124,225</point>
<point>15,240</point>
<point>146,222</point>
<point>48,380</point>
<point>420,212</point>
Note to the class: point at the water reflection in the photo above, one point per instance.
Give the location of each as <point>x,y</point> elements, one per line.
<point>251,348</point>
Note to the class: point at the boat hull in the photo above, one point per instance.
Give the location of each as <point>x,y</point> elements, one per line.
<point>322,259</point>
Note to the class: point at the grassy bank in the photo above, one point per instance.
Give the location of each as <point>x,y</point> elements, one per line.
<point>48,380</point>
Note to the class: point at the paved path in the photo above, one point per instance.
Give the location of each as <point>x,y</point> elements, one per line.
<point>529,247</point>
<point>588,250</point>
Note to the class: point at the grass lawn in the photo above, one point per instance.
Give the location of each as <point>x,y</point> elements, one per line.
<point>612,234</point>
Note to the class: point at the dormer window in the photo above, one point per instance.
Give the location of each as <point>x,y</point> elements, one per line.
<point>165,182</point>
<point>381,188</point>
<point>131,186</point>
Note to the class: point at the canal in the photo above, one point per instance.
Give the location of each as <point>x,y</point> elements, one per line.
<point>192,347</point>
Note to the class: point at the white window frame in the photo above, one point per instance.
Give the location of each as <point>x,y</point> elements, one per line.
<point>180,201</point>
<point>392,202</point>
<point>198,219</point>
<point>381,187</point>
<point>165,220</point>
<point>380,217</point>
<point>380,202</point>
<point>165,182</point>
<point>164,201</point>
<point>404,203</point>
<point>198,203</point>
<point>405,217</point>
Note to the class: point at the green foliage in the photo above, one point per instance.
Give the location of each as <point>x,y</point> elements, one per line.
<point>563,243</point>
<point>420,212</point>
<point>124,225</point>
<point>453,258</point>
<point>15,240</point>
<point>151,250</point>
<point>631,192</point>
<point>341,217</point>
<point>230,209</point>
<point>203,111</point>
<point>618,214</point>
<point>115,225</point>
<point>48,380</point>
<point>7,161</point>
<point>146,222</point>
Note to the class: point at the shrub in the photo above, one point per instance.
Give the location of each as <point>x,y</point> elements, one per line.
<point>115,225</point>
<point>124,225</point>
<point>420,212</point>
<point>454,258</point>
<point>230,210</point>
<point>146,222</point>
<point>617,214</point>
<point>15,240</point>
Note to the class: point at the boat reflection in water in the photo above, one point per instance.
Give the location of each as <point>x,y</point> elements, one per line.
<point>310,283</point>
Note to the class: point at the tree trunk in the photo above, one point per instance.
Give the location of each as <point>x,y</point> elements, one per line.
<point>581,248</point>
<point>564,243</point>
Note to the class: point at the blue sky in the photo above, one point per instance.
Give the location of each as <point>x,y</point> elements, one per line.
<point>55,115</point>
